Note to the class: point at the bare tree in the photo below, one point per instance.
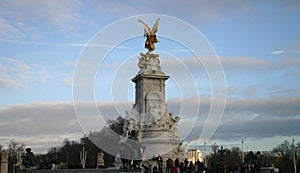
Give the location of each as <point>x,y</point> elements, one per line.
<point>14,150</point>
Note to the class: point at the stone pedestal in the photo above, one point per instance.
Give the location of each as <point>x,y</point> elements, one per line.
<point>156,127</point>
<point>4,162</point>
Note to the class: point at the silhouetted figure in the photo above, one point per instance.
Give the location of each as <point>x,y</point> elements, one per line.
<point>173,167</point>
<point>145,168</point>
<point>186,163</point>
<point>160,170</point>
<point>28,158</point>
<point>230,169</point>
<point>159,161</point>
<point>243,167</point>
<point>168,165</point>
<point>181,167</point>
<point>176,163</point>
<point>191,167</point>
<point>155,170</point>
<point>198,165</point>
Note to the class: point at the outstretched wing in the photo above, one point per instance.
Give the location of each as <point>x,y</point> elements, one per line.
<point>147,29</point>
<point>155,27</point>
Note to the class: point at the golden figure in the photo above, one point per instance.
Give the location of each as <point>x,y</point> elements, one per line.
<point>150,35</point>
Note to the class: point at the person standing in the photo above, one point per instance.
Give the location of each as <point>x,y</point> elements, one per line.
<point>159,161</point>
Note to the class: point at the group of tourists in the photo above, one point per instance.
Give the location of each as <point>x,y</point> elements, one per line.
<point>184,167</point>
<point>174,166</point>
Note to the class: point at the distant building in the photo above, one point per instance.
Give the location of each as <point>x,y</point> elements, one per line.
<point>194,155</point>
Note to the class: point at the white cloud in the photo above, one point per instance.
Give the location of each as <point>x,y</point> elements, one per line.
<point>257,117</point>
<point>249,91</point>
<point>290,62</point>
<point>50,11</point>
<point>18,41</point>
<point>43,78</point>
<point>14,73</point>
<point>35,19</point>
<point>278,52</point>
<point>7,30</point>
<point>286,92</point>
<point>67,80</point>
<point>8,83</point>
<point>17,74</point>
<point>59,12</point>
<point>193,74</point>
<point>194,10</point>
<point>228,63</point>
<point>246,63</point>
<point>46,124</point>
<point>196,67</point>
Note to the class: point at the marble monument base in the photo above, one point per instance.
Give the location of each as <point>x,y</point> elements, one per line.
<point>160,142</point>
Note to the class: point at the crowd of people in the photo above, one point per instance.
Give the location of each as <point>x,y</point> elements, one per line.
<point>174,166</point>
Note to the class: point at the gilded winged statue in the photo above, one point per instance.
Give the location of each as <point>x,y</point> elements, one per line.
<point>150,35</point>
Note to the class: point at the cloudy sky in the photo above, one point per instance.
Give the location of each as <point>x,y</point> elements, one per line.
<point>258,48</point>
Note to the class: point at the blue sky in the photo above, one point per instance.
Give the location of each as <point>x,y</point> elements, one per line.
<point>257,43</point>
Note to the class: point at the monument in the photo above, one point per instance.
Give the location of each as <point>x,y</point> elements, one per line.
<point>156,127</point>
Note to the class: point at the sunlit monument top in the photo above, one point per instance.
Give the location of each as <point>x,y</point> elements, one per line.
<point>149,63</point>
<point>150,35</point>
